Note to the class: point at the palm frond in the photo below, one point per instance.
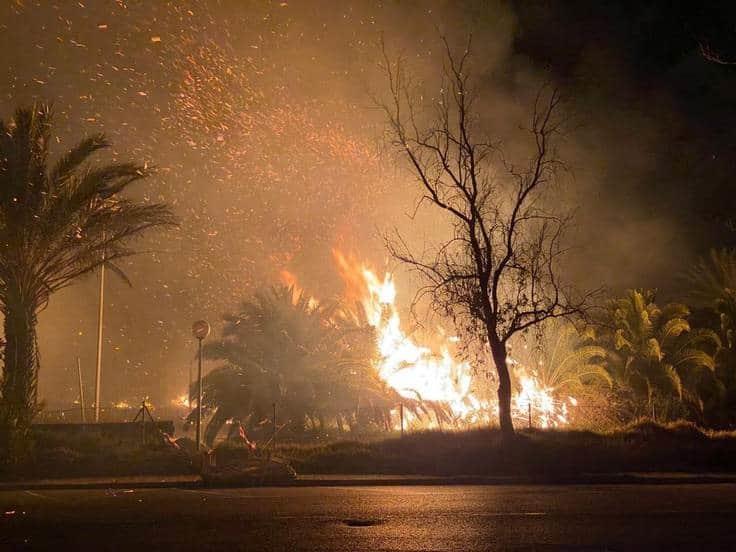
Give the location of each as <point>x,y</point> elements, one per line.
<point>57,225</point>
<point>707,280</point>
<point>72,160</point>
<point>674,379</point>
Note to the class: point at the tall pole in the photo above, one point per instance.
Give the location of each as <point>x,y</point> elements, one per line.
<point>81,391</point>
<point>200,330</point>
<point>98,369</point>
<point>189,387</point>
<point>199,395</point>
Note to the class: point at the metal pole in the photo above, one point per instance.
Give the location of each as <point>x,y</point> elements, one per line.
<point>199,395</point>
<point>273,439</point>
<point>81,391</point>
<point>143,421</point>
<point>401,414</point>
<point>189,387</point>
<point>98,369</point>
<point>529,408</point>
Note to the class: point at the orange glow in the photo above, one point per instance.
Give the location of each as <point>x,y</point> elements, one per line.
<point>290,280</point>
<point>415,371</point>
<point>546,410</point>
<point>418,372</point>
<point>181,401</point>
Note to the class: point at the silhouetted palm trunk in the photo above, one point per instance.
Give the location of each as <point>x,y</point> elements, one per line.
<point>20,373</point>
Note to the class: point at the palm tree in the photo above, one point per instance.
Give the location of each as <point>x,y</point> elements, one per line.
<point>566,361</point>
<point>56,222</point>
<point>654,356</point>
<point>228,393</point>
<point>711,285</point>
<point>314,359</point>
<point>711,278</point>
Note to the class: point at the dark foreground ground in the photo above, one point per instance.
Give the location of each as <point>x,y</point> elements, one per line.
<point>544,455</point>
<point>463,518</point>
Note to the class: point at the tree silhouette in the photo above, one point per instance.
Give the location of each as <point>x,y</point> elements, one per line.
<point>57,223</point>
<point>497,274</point>
<point>311,358</point>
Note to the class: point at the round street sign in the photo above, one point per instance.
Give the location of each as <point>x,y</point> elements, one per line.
<point>200,329</point>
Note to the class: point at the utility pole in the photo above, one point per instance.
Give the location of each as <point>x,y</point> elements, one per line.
<point>81,391</point>
<point>200,330</point>
<point>98,369</point>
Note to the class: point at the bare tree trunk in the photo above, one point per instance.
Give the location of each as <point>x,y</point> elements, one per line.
<point>20,370</point>
<point>498,350</point>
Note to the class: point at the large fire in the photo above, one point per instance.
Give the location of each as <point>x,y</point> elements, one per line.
<point>422,373</point>
<point>413,370</point>
<point>418,372</point>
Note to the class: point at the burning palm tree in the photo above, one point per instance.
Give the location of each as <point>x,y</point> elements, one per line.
<point>311,358</point>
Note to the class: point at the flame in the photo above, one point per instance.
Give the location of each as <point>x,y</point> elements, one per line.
<point>289,279</point>
<point>420,372</point>
<point>539,404</point>
<point>181,401</point>
<point>417,372</point>
<point>413,370</point>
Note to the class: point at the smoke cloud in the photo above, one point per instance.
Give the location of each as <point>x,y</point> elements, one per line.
<point>260,119</point>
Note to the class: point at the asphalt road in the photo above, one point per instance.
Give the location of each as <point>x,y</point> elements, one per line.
<point>463,518</point>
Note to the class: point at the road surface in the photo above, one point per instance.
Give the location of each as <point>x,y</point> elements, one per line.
<point>463,518</point>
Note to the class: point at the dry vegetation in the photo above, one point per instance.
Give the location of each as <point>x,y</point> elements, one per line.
<point>641,447</point>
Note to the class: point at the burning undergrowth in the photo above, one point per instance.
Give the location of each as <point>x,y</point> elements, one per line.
<point>433,386</point>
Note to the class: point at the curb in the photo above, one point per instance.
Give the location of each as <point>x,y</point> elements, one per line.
<point>61,484</point>
<point>373,481</point>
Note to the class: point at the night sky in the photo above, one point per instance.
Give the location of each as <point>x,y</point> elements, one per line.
<point>260,120</point>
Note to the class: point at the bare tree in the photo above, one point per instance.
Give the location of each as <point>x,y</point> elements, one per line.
<point>497,274</point>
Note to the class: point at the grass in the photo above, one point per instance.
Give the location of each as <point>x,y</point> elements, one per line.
<point>641,447</point>
<point>54,455</point>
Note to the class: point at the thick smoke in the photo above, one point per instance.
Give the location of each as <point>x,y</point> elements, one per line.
<point>261,121</point>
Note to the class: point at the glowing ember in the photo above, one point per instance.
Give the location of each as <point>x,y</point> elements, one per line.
<point>181,401</point>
